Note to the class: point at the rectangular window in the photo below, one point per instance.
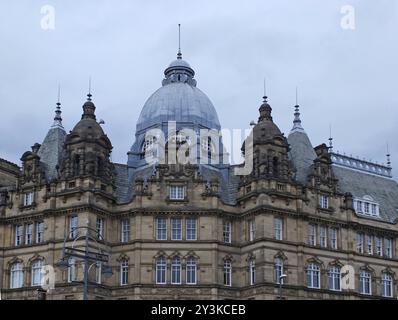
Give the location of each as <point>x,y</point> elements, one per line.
<point>176,229</point>
<point>18,234</point>
<point>366,207</point>
<point>71,270</point>
<point>386,285</point>
<point>369,244</point>
<point>312,234</point>
<point>73,227</point>
<point>124,272</point>
<point>323,237</point>
<point>333,238</point>
<point>365,283</point>
<point>323,201</point>
<point>227,231</point>
<point>98,272</point>
<point>161,229</point>
<point>388,247</point>
<point>227,273</point>
<point>190,224</point>
<point>176,270</point>
<point>379,246</point>
<point>177,192</point>
<point>125,230</point>
<point>29,233</point>
<point>360,242</point>
<point>252,230</point>
<point>334,276</point>
<point>278,228</point>
<point>39,232</point>
<point>100,228</point>
<point>374,210</point>
<point>28,198</point>
<point>359,206</point>
<point>252,267</point>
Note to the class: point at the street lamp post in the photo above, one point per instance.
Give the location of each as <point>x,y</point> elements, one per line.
<point>86,255</point>
<point>281,277</point>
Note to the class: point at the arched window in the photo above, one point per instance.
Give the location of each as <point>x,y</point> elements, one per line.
<point>278,270</point>
<point>334,276</point>
<point>191,270</point>
<point>365,283</point>
<point>313,276</point>
<point>252,271</point>
<point>227,272</point>
<point>16,276</point>
<point>161,268</point>
<point>386,285</point>
<point>36,272</point>
<point>71,269</point>
<point>124,272</point>
<point>176,270</point>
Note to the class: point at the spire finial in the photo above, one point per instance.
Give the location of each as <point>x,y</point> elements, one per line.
<point>57,118</point>
<point>89,89</point>
<point>297,121</point>
<point>179,54</point>
<point>265,90</point>
<point>330,138</point>
<point>388,156</point>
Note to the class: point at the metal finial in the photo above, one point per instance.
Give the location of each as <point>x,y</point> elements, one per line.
<point>388,156</point>
<point>296,96</point>
<point>265,97</point>
<point>89,89</point>
<point>57,117</point>
<point>330,139</point>
<point>179,54</point>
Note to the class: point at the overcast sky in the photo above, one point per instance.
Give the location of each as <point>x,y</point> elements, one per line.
<point>346,78</point>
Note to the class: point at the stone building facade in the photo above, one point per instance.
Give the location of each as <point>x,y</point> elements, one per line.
<point>302,216</point>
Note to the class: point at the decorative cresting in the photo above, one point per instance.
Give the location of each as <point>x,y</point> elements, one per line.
<point>270,148</point>
<point>87,148</point>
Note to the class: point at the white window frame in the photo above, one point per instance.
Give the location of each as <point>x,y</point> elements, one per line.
<point>125,230</point>
<point>161,270</point>
<point>124,272</point>
<point>387,285</point>
<point>36,272</point>
<point>312,234</point>
<point>278,267</point>
<point>176,270</point>
<point>323,238</point>
<point>73,224</point>
<point>191,226</point>
<point>177,192</point>
<point>388,247</point>
<point>29,233</point>
<point>379,246</point>
<point>161,228</point>
<point>252,271</point>
<point>191,270</point>
<point>334,278</point>
<point>365,281</point>
<point>16,275</point>
<point>252,229</point>
<point>278,228</point>
<point>18,234</point>
<point>324,201</point>
<point>99,227</point>
<point>313,276</point>
<point>360,243</point>
<point>176,228</point>
<point>98,272</point>
<point>227,231</point>
<point>227,273</point>
<point>71,270</point>
<point>334,237</point>
<point>39,226</point>
<point>28,198</point>
<point>369,244</point>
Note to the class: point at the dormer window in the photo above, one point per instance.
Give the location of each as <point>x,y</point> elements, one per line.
<point>28,198</point>
<point>324,201</point>
<point>367,206</point>
<point>177,192</point>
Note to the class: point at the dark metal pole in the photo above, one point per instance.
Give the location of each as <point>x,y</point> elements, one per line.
<point>85,288</point>
<point>280,288</point>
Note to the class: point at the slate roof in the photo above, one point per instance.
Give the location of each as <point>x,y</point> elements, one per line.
<point>382,190</point>
<point>50,151</point>
<point>123,187</point>
<point>302,154</point>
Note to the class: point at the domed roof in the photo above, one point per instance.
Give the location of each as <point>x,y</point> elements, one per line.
<point>265,128</point>
<point>178,100</point>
